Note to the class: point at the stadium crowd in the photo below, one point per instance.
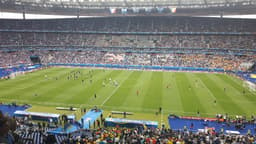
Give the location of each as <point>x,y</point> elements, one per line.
<point>13,130</point>
<point>227,62</point>
<point>158,136</point>
<point>66,42</point>
<point>135,24</point>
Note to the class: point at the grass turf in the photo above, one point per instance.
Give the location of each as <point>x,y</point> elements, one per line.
<point>142,92</point>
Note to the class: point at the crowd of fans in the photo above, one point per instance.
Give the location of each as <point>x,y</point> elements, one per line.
<point>69,32</point>
<point>14,58</point>
<point>135,24</point>
<point>222,42</point>
<point>223,50</point>
<point>158,136</point>
<point>17,130</point>
<point>226,62</point>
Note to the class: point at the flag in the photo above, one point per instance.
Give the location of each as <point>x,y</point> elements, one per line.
<point>173,10</point>
<point>135,10</point>
<point>160,9</point>
<point>124,10</point>
<point>112,10</point>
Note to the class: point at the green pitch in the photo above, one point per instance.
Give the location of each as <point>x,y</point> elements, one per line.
<point>133,91</point>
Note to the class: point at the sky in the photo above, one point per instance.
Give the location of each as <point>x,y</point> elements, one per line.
<point>8,15</point>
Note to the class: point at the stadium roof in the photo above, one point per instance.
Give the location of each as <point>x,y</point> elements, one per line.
<point>129,3</point>
<point>191,7</point>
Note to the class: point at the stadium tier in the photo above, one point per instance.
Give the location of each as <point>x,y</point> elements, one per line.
<point>225,62</point>
<point>134,24</point>
<point>168,41</point>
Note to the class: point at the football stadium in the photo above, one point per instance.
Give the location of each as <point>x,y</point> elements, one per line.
<point>128,72</point>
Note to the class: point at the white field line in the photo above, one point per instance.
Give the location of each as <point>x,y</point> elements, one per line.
<point>210,93</point>
<point>113,91</point>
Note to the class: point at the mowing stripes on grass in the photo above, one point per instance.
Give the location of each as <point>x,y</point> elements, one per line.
<point>87,91</point>
<point>217,89</point>
<point>176,92</point>
<point>153,96</point>
<point>119,96</point>
<point>116,88</point>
